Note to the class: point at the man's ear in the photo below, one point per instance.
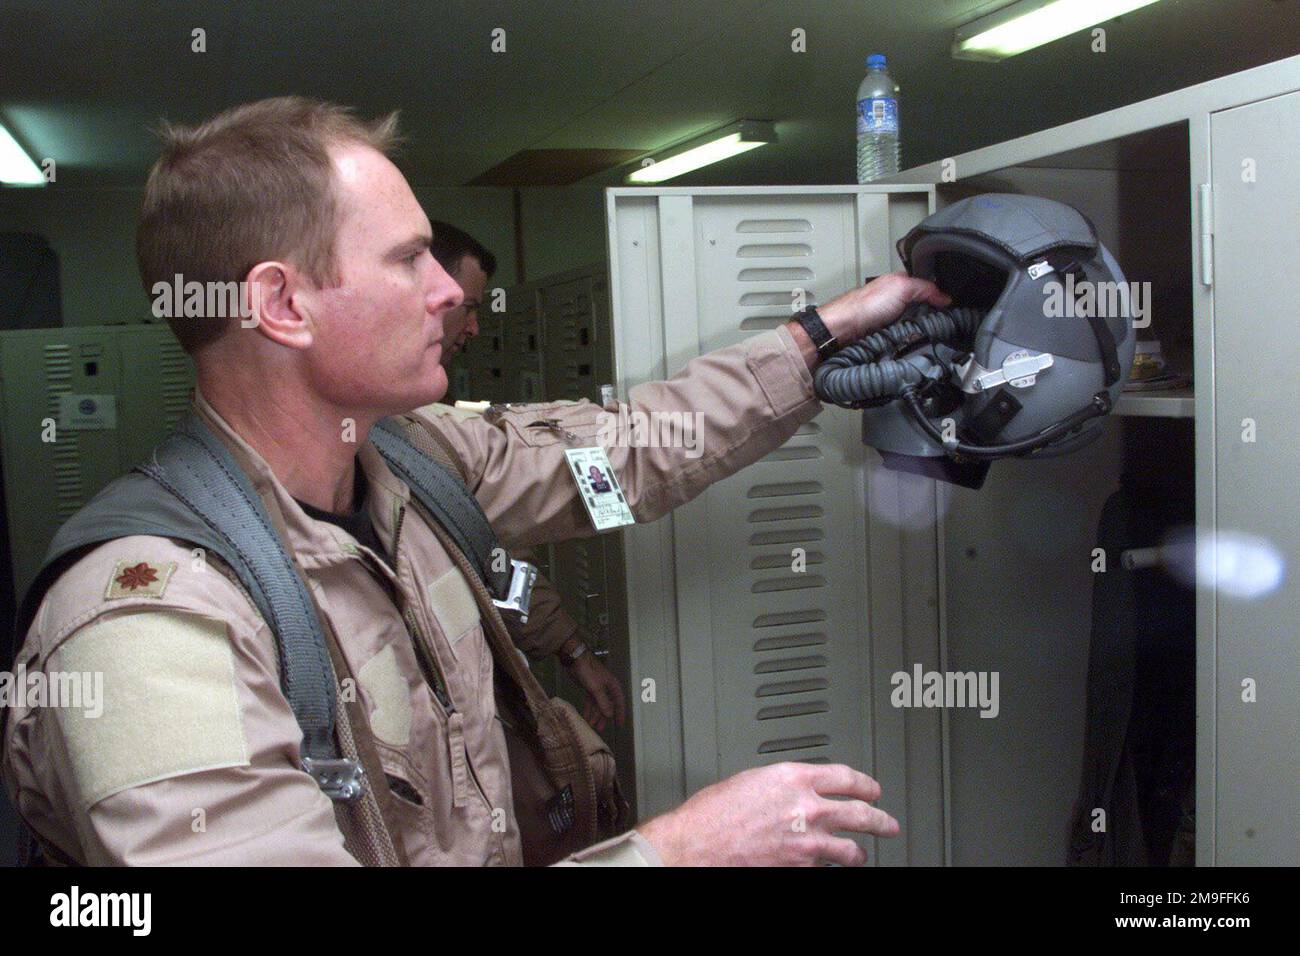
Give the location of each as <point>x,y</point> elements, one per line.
<point>275,306</point>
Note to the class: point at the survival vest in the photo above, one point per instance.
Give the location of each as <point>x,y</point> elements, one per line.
<point>566,796</point>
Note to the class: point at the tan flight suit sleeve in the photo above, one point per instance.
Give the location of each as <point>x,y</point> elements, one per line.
<point>630,849</point>
<point>749,398</point>
<point>190,755</point>
<point>549,624</point>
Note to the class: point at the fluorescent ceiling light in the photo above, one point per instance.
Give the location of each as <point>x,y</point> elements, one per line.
<point>1029,23</point>
<point>16,167</point>
<point>715,147</point>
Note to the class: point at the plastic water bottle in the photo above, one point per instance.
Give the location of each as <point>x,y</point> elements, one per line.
<point>877,123</point>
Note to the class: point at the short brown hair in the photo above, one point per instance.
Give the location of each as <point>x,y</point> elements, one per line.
<point>251,184</point>
<point>452,244</point>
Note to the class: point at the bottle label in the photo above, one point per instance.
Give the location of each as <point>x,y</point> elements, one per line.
<point>878,114</point>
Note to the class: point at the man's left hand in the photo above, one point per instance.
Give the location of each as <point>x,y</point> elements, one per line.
<point>604,692</point>
<point>859,312</point>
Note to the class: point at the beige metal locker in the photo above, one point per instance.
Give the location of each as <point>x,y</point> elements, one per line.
<point>79,405</point>
<point>739,659</point>
<point>575,312</point>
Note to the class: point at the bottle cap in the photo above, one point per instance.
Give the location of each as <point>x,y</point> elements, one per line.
<point>876,61</point>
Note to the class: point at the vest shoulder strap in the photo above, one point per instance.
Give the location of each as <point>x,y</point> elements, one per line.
<point>445,496</point>
<point>193,490</point>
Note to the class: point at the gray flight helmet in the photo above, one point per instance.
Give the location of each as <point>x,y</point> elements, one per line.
<point>1057,332</point>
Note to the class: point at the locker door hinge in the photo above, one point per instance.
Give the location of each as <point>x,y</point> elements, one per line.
<point>1207,233</point>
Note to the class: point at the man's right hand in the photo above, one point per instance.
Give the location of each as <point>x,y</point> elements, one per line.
<point>779,815</point>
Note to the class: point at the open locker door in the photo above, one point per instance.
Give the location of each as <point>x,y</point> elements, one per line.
<point>750,608</point>
<point>1256,196</point>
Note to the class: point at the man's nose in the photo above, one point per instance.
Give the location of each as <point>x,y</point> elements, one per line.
<point>445,293</point>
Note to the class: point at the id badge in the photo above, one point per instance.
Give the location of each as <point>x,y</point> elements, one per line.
<point>599,488</point>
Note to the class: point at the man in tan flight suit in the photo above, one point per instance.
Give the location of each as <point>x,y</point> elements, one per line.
<point>550,630</point>
<point>195,757</point>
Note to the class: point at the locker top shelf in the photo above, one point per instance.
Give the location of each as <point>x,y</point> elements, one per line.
<point>1172,403</point>
<point>833,188</point>
<point>1192,103</point>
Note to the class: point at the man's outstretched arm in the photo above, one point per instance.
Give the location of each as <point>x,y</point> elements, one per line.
<point>723,411</point>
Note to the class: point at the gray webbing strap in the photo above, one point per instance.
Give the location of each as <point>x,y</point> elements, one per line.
<point>197,469</point>
<point>448,500</point>
<point>216,507</point>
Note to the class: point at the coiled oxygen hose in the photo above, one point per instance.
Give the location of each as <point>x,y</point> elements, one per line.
<point>866,374</point>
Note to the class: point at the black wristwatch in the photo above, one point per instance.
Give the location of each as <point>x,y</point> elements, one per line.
<point>825,343</point>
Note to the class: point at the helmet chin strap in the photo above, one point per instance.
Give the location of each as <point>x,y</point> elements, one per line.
<point>1099,406</point>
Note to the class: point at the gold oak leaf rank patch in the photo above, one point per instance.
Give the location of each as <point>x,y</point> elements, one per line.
<point>139,579</point>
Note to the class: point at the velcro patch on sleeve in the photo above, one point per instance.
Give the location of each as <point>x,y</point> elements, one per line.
<point>133,578</point>
<point>169,706</point>
<point>453,605</point>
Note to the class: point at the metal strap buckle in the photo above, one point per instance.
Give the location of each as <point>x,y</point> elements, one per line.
<point>520,593</point>
<point>342,779</point>
<point>1019,370</point>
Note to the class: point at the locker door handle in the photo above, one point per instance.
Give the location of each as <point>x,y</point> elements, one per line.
<point>1207,233</point>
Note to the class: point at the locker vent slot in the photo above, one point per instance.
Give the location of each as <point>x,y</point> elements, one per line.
<point>776,298</point>
<point>792,488</point>
<point>58,374</point>
<point>793,536</point>
<point>784,514</point>
<point>789,617</point>
<point>794,710</point>
<point>175,381</point>
<point>783,560</point>
<point>69,482</point>
<point>790,274</point>
<point>792,687</point>
<point>793,640</point>
<point>774,225</point>
<point>69,487</point>
<point>793,453</point>
<point>794,743</point>
<point>773,250</point>
<point>787,664</point>
<point>795,582</point>
<point>790,664</point>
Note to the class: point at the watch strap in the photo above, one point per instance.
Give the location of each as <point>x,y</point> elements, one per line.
<point>822,340</point>
<point>570,651</point>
